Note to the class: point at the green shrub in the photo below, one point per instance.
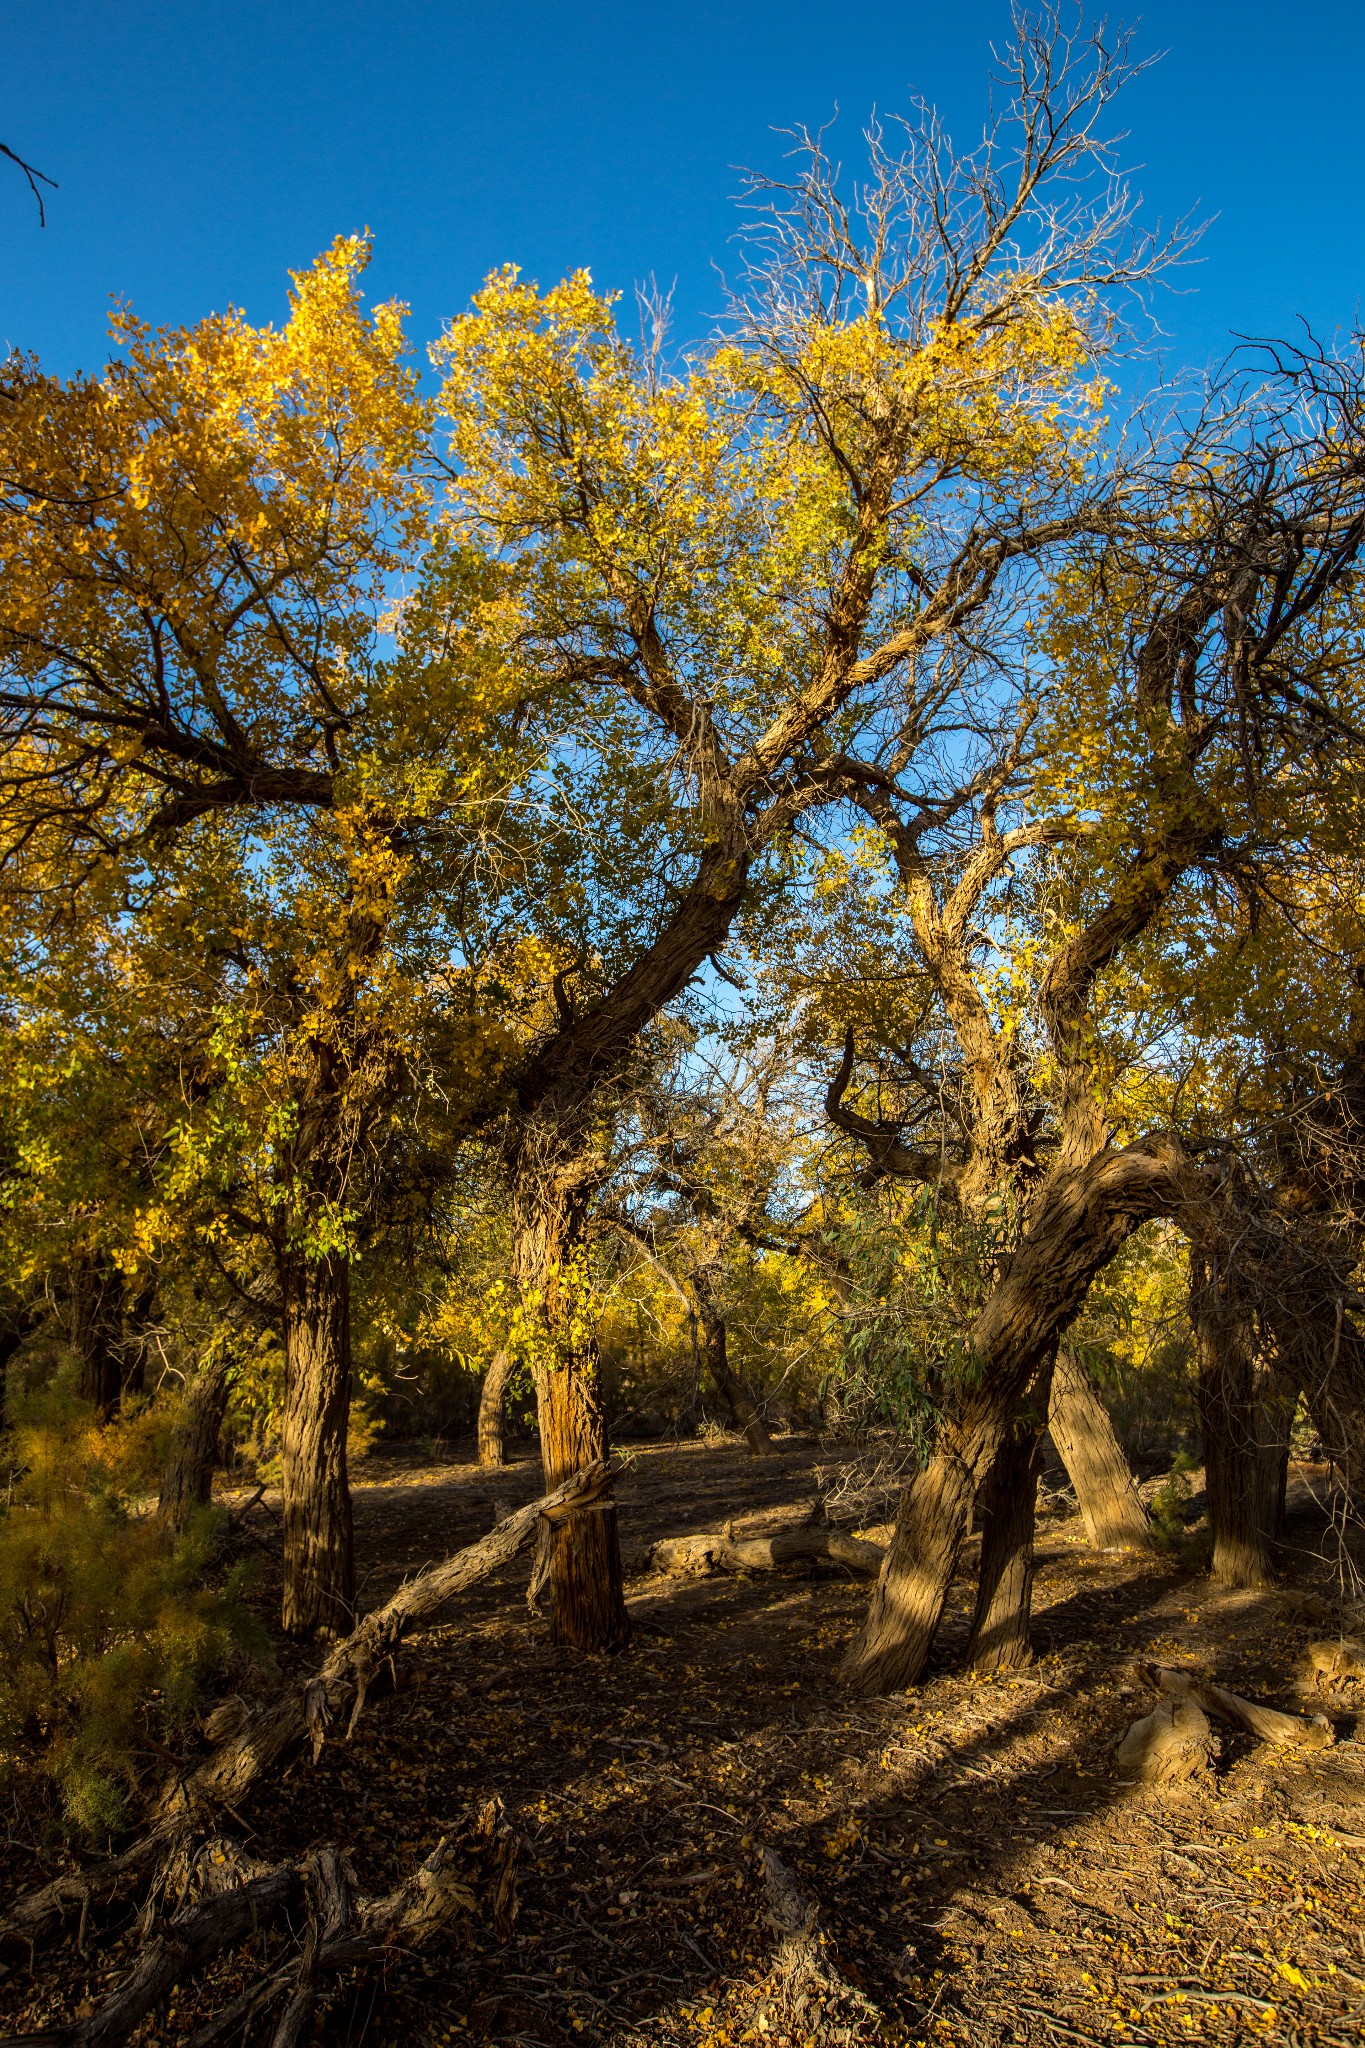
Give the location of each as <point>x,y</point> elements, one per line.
<point>109,1630</point>
<point>1168,1504</point>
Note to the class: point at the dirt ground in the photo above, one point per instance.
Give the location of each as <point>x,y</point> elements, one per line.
<point>981,1874</point>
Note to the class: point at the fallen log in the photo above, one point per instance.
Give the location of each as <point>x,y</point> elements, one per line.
<point>266,1736</point>
<point>1267,1724</point>
<point>304,1712</point>
<point>716,1550</point>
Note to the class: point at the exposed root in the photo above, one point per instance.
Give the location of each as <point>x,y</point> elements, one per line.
<point>806,1987</point>
<point>1170,1746</point>
<point>239,1897</point>
<point>1267,1724</point>
<point>1335,1663</point>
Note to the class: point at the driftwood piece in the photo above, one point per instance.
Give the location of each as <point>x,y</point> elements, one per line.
<point>716,1550</point>
<point>1169,1746</point>
<point>1267,1724</point>
<point>267,1735</point>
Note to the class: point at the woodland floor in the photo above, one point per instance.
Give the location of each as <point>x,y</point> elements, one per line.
<point>980,1873</point>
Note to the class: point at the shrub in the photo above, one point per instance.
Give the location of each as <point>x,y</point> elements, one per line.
<point>109,1630</point>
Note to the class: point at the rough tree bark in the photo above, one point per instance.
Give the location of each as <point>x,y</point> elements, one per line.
<point>587,1601</point>
<point>1078,1423</point>
<point>187,1482</point>
<point>1082,1218</point>
<point>1228,1420</point>
<point>1009,1502</point>
<point>319,1571</point>
<point>492,1421</point>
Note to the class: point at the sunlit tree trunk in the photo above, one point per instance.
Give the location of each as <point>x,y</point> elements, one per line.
<point>492,1418</point>
<point>1008,1504</point>
<point>319,1571</point>
<point>587,1603</point>
<point>1081,1220</point>
<point>1080,1428</point>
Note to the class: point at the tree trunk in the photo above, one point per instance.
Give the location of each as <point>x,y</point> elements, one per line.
<point>587,1603</point>
<point>1228,1423</point>
<point>1276,1402</point>
<point>492,1395</point>
<point>187,1482</point>
<point>1079,1425</point>
<point>1082,1218</point>
<point>319,1575</point>
<point>1009,1500</point>
<point>729,1384</point>
<point>95,1328</point>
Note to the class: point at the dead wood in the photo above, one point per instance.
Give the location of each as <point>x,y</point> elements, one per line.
<point>716,1550</point>
<point>269,1734</point>
<point>1335,1663</point>
<point>1267,1724</point>
<point>305,1711</point>
<point>344,1930</point>
<point>806,1984</point>
<point>1169,1746</point>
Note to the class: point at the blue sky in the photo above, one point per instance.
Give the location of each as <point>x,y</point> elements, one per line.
<point>203,150</point>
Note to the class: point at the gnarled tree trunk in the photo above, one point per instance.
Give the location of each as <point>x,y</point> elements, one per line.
<point>187,1482</point>
<point>728,1383</point>
<point>1009,1501</point>
<point>587,1603</point>
<point>1228,1421</point>
<point>1081,1219</point>
<point>319,1572</point>
<point>492,1421</point>
<point>1078,1423</point>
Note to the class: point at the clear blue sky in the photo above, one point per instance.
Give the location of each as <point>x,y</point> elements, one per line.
<point>202,150</point>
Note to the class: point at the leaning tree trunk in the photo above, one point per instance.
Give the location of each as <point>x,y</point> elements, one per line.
<point>492,1419</point>
<point>1228,1422</point>
<point>187,1482</point>
<point>1079,1425</point>
<point>583,1567</point>
<point>728,1383</point>
<point>1082,1218</point>
<point>319,1574</point>
<point>1009,1503</point>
